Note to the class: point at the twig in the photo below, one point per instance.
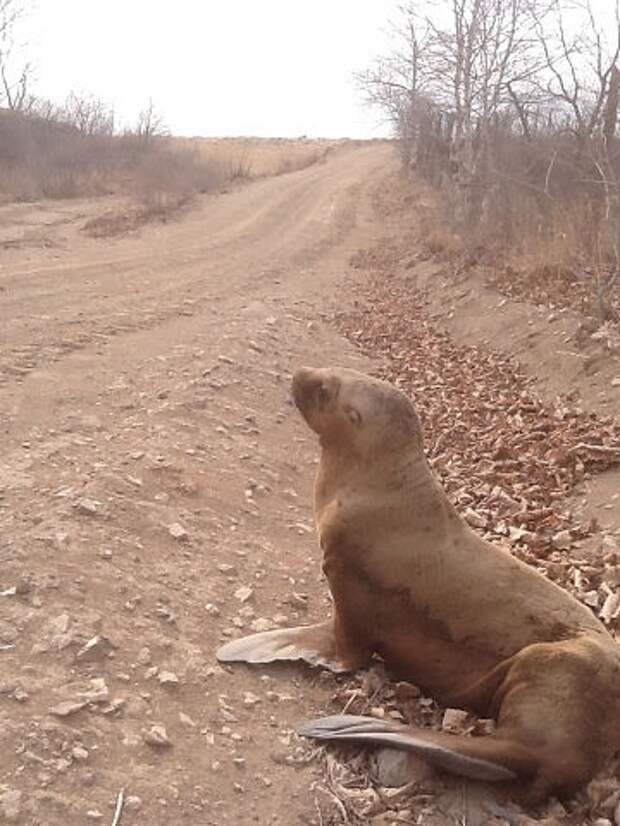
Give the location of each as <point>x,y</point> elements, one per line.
<point>549,169</point>
<point>319,812</point>
<point>120,800</point>
<point>603,449</point>
<point>336,800</point>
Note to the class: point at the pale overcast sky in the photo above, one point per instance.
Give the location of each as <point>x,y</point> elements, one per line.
<point>215,67</point>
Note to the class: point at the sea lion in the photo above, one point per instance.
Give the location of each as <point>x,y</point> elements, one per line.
<point>445,609</point>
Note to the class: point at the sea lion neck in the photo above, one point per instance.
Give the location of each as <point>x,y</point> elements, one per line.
<point>341,468</point>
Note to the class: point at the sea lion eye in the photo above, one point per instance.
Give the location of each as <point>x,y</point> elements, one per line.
<point>353,415</point>
<point>323,394</point>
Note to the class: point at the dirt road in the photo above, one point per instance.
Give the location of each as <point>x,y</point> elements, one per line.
<point>155,498</point>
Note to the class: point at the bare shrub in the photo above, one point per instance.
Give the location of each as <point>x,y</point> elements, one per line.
<point>165,176</point>
<point>509,108</point>
<point>52,158</point>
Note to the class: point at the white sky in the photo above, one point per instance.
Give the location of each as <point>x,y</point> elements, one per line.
<point>215,67</point>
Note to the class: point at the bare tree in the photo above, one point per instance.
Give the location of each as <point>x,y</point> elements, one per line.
<point>395,82</point>
<point>90,115</point>
<point>150,123</point>
<point>511,106</point>
<point>15,72</point>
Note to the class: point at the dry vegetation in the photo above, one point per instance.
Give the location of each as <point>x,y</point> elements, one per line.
<point>256,157</point>
<point>50,158</point>
<point>509,109</point>
<point>63,153</point>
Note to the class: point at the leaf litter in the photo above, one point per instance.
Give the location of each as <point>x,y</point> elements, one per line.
<point>508,461</point>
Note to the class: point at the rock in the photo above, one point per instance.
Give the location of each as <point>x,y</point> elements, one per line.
<point>95,691</point>
<point>454,719</point>
<point>67,708</point>
<point>250,699</point>
<point>157,737</point>
<point>56,635</point>
<point>615,382</point>
<point>187,720</point>
<point>20,695</point>
<point>133,802</point>
<point>562,540</point>
<point>94,814</point>
<point>88,507</point>
<point>611,608</point>
<point>97,648</point>
<point>10,805</point>
<point>144,656</point>
<point>261,624</point>
<point>393,768</point>
<point>79,753</point>
<point>474,519</point>
<point>244,593</point>
<point>178,532</point>
<point>590,598</point>
<point>168,679</point>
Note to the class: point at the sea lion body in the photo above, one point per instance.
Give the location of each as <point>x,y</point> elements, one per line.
<point>444,608</point>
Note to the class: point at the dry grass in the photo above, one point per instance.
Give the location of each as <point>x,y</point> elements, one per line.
<point>47,158</point>
<point>540,231</point>
<point>440,240</point>
<point>259,157</point>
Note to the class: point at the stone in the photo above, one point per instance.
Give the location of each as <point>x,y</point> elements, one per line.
<point>57,635</point>
<point>178,532</point>
<point>454,719</point>
<point>10,805</point>
<point>96,691</point>
<point>476,520</point>
<point>393,768</point>
<point>261,624</point>
<point>168,679</point>
<point>67,708</point>
<point>144,656</point>
<point>562,540</point>
<point>244,593</point>
<point>97,648</point>
<point>133,802</point>
<point>157,737</point>
<point>88,507</point>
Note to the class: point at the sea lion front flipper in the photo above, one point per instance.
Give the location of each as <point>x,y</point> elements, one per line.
<point>315,644</point>
<point>480,758</point>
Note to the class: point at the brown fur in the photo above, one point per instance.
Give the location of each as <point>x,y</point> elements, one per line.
<point>445,609</point>
<point>458,616</point>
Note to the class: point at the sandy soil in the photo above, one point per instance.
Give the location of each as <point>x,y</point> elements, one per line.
<point>152,466</point>
<point>155,489</point>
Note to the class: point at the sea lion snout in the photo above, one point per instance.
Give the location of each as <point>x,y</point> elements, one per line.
<point>303,381</point>
<point>348,408</point>
<point>312,390</point>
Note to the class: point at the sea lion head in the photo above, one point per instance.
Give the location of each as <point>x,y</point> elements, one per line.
<point>355,412</point>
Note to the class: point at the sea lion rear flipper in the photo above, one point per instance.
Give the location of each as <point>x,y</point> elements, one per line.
<point>480,758</point>
<point>315,644</point>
